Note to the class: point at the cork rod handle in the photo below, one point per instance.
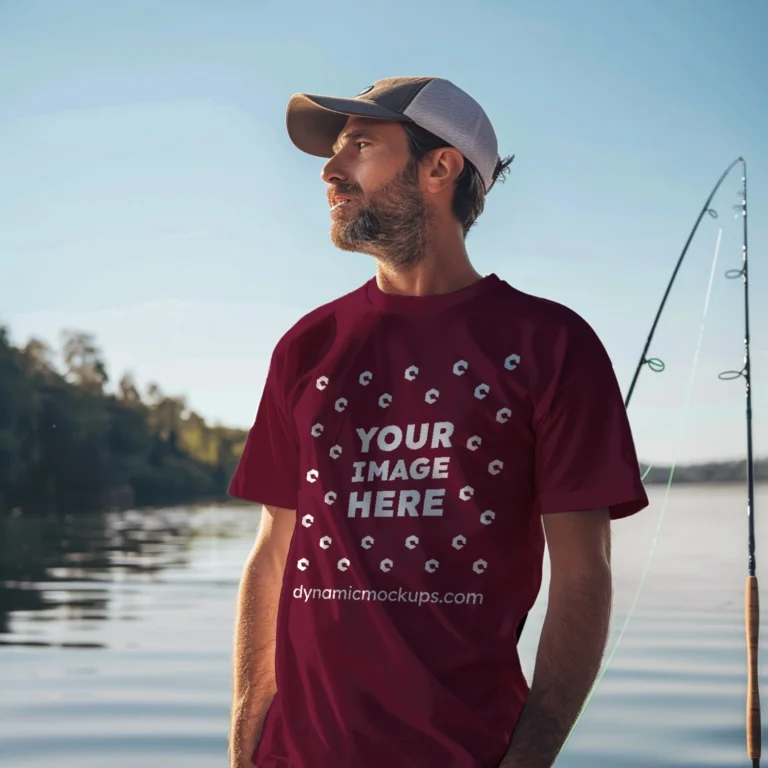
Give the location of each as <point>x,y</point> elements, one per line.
<point>752,615</point>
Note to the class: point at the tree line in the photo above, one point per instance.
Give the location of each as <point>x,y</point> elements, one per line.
<point>67,444</point>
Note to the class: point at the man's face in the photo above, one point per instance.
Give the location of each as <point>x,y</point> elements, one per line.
<point>377,206</point>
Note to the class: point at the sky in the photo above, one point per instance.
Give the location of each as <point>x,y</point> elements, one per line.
<point>149,193</point>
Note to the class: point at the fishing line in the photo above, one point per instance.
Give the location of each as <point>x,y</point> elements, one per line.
<point>683,423</point>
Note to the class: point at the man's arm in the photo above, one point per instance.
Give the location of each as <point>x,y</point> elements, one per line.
<point>254,654</point>
<point>573,637</point>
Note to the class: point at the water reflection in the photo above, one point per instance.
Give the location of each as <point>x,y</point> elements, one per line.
<point>67,570</point>
<point>144,603</point>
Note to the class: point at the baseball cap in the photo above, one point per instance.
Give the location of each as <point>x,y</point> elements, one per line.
<point>433,103</point>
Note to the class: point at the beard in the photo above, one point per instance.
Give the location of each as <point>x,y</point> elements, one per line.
<point>389,224</point>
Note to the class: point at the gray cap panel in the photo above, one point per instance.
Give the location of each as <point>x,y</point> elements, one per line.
<point>442,108</point>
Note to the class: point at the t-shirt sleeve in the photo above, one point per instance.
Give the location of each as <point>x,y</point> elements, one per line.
<point>585,453</point>
<point>268,471</point>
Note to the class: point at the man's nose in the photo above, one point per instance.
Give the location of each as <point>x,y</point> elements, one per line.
<point>332,172</point>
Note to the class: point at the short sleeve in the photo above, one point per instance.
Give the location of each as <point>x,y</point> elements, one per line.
<point>585,453</point>
<point>269,467</point>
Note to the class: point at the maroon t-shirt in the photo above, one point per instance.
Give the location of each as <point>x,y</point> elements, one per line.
<point>420,440</point>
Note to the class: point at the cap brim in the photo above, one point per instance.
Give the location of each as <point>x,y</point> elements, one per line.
<point>315,122</point>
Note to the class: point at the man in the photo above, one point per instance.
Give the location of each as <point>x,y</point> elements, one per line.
<point>416,440</point>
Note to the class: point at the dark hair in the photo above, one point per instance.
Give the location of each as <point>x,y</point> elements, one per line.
<point>469,195</point>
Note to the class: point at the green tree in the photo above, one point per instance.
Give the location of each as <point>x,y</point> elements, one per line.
<point>127,391</point>
<point>68,445</point>
<point>83,362</point>
<point>19,407</point>
<point>39,357</point>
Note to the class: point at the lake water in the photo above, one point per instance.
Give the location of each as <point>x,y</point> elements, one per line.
<point>116,635</point>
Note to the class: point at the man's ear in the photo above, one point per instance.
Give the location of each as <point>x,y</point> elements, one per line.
<point>441,167</point>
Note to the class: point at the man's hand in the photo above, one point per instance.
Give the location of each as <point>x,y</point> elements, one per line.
<point>573,637</point>
<point>244,734</point>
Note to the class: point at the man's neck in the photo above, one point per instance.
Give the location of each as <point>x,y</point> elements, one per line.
<point>443,269</point>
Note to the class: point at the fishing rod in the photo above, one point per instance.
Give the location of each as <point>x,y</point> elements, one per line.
<point>752,601</point>
<point>654,363</point>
